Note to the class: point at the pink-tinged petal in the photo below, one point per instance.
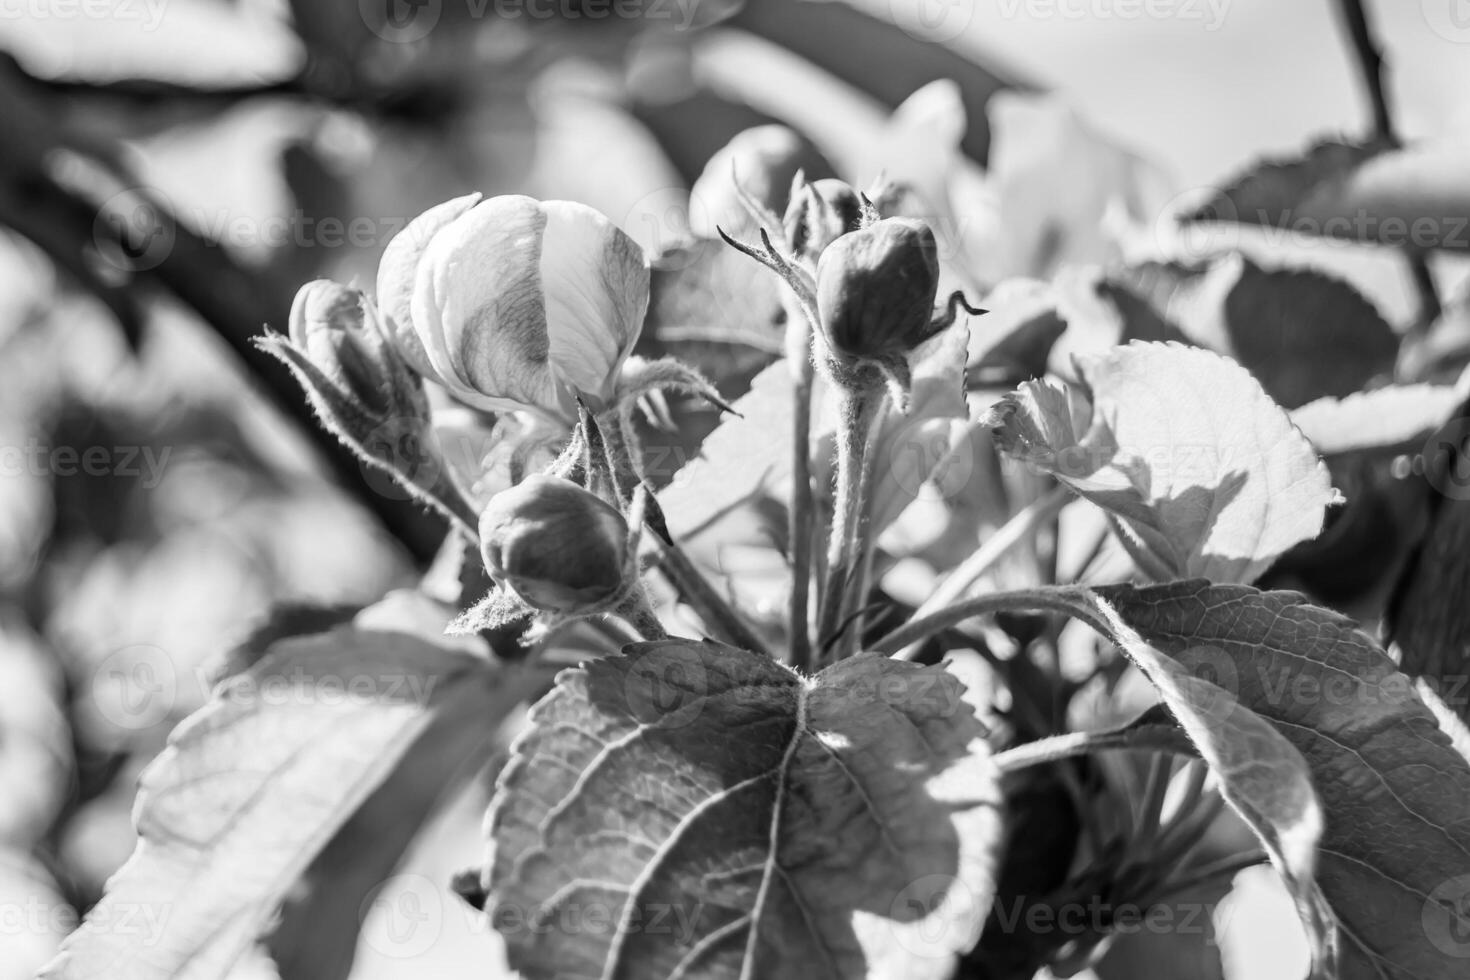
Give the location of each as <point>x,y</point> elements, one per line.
<point>397,271</point>
<point>595,280</point>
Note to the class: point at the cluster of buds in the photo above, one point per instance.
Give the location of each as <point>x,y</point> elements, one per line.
<point>512,306</point>
<point>867,284</point>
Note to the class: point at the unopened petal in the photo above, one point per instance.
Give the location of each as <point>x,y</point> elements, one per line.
<point>477,302</point>
<point>595,280</point>
<point>397,272</point>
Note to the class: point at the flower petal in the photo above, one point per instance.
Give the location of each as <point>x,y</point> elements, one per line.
<point>595,280</point>
<point>396,272</point>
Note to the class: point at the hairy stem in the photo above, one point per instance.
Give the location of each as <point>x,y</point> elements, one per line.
<point>859,408</point>
<point>799,528</point>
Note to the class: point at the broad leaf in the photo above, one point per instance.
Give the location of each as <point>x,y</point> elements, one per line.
<point>253,785</point>
<point>1303,334</point>
<point>1394,860</point>
<point>1415,197</point>
<point>746,457</point>
<point>1206,475</point>
<point>1396,418</point>
<point>724,817</point>
<point>1263,777</point>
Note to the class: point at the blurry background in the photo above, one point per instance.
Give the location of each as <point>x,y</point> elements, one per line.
<point>171,171</point>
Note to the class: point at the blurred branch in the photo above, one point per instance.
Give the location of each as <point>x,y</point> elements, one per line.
<point>1369,59</point>
<point>196,270</point>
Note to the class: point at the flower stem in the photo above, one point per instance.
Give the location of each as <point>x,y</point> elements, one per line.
<point>1012,533</point>
<point>718,615</point>
<point>1065,599</point>
<point>863,541</point>
<point>859,408</point>
<point>799,528</point>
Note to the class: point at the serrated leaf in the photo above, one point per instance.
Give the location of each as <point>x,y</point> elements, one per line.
<point>1303,334</point>
<point>1393,419</point>
<point>1394,859</point>
<point>1416,197</point>
<point>1206,474</point>
<point>725,817</point>
<point>252,786</point>
<point>1262,775</point>
<point>745,457</point>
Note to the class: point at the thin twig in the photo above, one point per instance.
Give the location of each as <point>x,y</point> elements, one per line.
<point>1060,599</point>
<point>1369,59</point>
<point>719,617</point>
<point>996,547</point>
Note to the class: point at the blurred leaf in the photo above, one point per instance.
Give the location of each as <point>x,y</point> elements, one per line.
<point>1426,621</point>
<point>1392,419</point>
<point>1417,196</point>
<point>746,457</point>
<point>1394,860</point>
<point>1054,179</point>
<point>1205,473</point>
<point>236,807</point>
<point>1187,945</point>
<point>35,741</point>
<point>851,830</point>
<point>1302,333</point>
<point>317,937</point>
<point>916,446</point>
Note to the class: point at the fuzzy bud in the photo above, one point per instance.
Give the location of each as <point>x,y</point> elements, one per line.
<point>819,214</point>
<point>518,303</point>
<point>337,330</point>
<point>764,160</point>
<point>559,547</point>
<point>876,289</point>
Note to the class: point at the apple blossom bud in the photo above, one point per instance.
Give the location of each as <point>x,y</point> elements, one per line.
<point>519,303</point>
<point>764,160</point>
<point>561,548</point>
<point>876,289</point>
<point>336,329</point>
<point>396,275</point>
<point>819,214</point>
